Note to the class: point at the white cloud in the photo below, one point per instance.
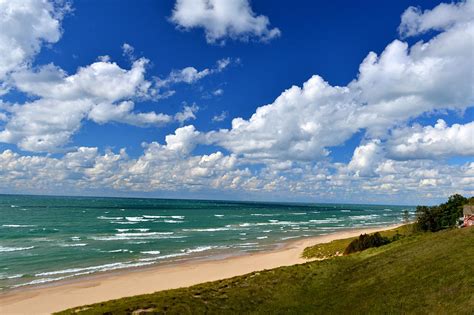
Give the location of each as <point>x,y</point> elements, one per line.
<point>223,19</point>
<point>366,157</point>
<point>128,51</point>
<point>400,84</point>
<point>189,112</point>
<point>170,167</point>
<point>443,16</point>
<point>191,75</point>
<point>218,92</point>
<point>221,117</point>
<point>438,141</point>
<point>25,25</point>
<point>102,92</point>
<point>123,113</point>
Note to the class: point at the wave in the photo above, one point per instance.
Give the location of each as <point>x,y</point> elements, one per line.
<point>73,245</point>
<point>119,251</point>
<point>173,221</point>
<point>6,277</point>
<point>178,217</point>
<point>109,218</point>
<point>218,215</point>
<point>136,219</point>
<point>126,230</point>
<point>208,229</point>
<point>151,252</point>
<point>118,222</point>
<point>323,221</point>
<point>262,237</point>
<point>14,249</point>
<point>264,214</point>
<point>17,225</point>
<point>364,217</point>
<point>345,210</point>
<point>137,236</point>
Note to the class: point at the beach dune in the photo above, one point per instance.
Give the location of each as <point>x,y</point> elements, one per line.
<point>88,290</point>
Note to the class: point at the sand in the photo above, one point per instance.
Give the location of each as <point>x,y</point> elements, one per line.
<point>63,295</point>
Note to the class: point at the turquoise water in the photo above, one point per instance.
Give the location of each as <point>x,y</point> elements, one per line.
<point>46,239</point>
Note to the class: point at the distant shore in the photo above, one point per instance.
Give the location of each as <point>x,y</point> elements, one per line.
<point>87,290</point>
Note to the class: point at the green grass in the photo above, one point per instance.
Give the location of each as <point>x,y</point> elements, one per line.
<point>337,247</point>
<point>429,273</point>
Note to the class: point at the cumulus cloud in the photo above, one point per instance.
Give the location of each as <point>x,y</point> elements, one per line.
<point>436,141</point>
<point>102,92</point>
<point>191,75</point>
<point>189,112</point>
<point>400,84</point>
<point>25,26</point>
<point>443,16</point>
<point>223,19</point>
<point>170,167</point>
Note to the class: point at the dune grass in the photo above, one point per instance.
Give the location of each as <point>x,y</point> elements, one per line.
<point>337,247</point>
<point>429,273</point>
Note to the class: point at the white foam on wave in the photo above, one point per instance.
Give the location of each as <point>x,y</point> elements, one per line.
<point>81,271</point>
<point>178,217</point>
<point>137,236</point>
<point>109,218</point>
<point>73,245</point>
<point>119,251</point>
<point>324,221</point>
<point>298,213</point>
<point>14,249</point>
<point>126,230</point>
<point>151,252</point>
<point>289,237</point>
<point>208,229</point>
<point>218,215</point>
<point>136,219</point>
<point>364,217</point>
<point>262,237</point>
<point>17,225</point>
<point>345,210</point>
<point>264,214</point>
<point>7,277</point>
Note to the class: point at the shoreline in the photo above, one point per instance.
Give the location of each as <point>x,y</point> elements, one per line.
<point>53,297</point>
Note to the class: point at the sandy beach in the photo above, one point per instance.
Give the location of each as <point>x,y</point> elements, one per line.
<point>87,290</point>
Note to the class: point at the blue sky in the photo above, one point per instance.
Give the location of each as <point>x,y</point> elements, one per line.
<point>361,123</point>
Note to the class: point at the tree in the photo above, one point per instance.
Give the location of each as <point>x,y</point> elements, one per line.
<point>440,217</point>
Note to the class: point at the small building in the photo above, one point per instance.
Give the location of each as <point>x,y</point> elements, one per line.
<point>468,214</point>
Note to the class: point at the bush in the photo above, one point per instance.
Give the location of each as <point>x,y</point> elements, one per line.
<point>440,217</point>
<point>366,241</point>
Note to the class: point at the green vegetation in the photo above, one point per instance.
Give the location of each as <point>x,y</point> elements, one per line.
<point>423,273</point>
<point>337,247</point>
<point>366,241</point>
<point>443,216</point>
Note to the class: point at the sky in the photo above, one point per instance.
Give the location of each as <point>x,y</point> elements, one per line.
<point>314,101</point>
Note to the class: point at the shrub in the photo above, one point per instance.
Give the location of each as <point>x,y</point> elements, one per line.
<point>366,241</point>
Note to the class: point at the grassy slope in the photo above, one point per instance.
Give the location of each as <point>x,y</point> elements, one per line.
<point>337,247</point>
<point>420,274</point>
